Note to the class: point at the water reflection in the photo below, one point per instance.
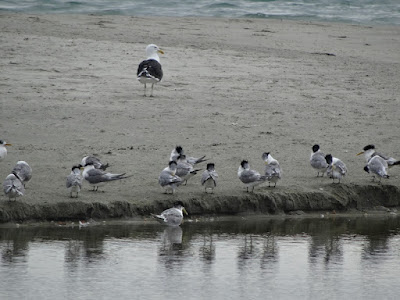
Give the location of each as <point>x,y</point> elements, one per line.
<point>171,245</point>
<point>207,249</point>
<point>172,236</point>
<point>268,248</point>
<point>258,237</point>
<point>14,244</point>
<point>270,251</point>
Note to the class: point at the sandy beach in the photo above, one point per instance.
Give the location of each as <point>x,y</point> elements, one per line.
<point>232,89</point>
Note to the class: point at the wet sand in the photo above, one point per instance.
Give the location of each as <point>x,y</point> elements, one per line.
<point>232,89</point>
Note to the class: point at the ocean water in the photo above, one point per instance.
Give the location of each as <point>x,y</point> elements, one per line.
<point>386,12</point>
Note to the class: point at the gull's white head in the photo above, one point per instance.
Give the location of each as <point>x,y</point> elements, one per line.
<point>152,52</point>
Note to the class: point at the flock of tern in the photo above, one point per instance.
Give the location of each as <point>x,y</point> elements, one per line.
<point>181,168</point>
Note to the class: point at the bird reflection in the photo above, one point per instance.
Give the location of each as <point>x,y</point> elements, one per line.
<point>7,254</point>
<point>173,236</point>
<point>375,247</point>
<point>93,245</point>
<point>73,251</point>
<point>247,251</point>
<point>270,251</point>
<point>266,254</point>
<point>333,250</point>
<point>171,240</point>
<point>16,246</point>
<point>207,250</point>
<point>327,247</point>
<point>170,252</point>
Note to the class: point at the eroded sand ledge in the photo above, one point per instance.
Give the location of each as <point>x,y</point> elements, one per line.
<point>343,199</point>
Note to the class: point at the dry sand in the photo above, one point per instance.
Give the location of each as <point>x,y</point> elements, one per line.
<point>232,89</point>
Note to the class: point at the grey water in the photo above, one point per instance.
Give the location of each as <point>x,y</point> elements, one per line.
<point>350,11</point>
<point>335,257</point>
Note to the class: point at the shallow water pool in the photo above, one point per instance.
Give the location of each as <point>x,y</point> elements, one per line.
<point>222,258</point>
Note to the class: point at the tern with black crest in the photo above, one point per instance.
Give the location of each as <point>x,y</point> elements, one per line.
<point>336,168</point>
<point>74,180</point>
<point>318,161</point>
<point>250,178</point>
<point>209,178</point>
<point>13,187</point>
<point>23,171</point>
<point>184,169</point>
<point>369,152</point>
<point>172,216</point>
<point>377,166</point>
<point>178,150</point>
<point>95,161</point>
<point>97,177</point>
<point>273,170</point>
<point>3,149</point>
<point>168,178</point>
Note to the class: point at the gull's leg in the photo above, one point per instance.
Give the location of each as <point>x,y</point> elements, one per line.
<point>151,93</point>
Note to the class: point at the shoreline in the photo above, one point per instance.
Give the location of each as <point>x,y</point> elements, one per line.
<point>233,89</point>
<point>354,199</point>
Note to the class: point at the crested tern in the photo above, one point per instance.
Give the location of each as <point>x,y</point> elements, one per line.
<point>74,180</point>
<point>369,152</point>
<point>23,171</point>
<point>178,150</point>
<point>318,161</point>
<point>168,178</point>
<point>378,166</point>
<point>13,187</point>
<point>273,170</point>
<point>172,216</point>
<point>95,161</point>
<point>250,178</point>
<point>97,177</point>
<point>3,149</point>
<point>209,178</point>
<point>184,169</point>
<point>150,70</point>
<point>336,169</point>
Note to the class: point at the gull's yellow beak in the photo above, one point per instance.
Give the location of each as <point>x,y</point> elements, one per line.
<point>7,144</point>
<point>160,51</point>
<point>360,153</point>
<point>184,210</point>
